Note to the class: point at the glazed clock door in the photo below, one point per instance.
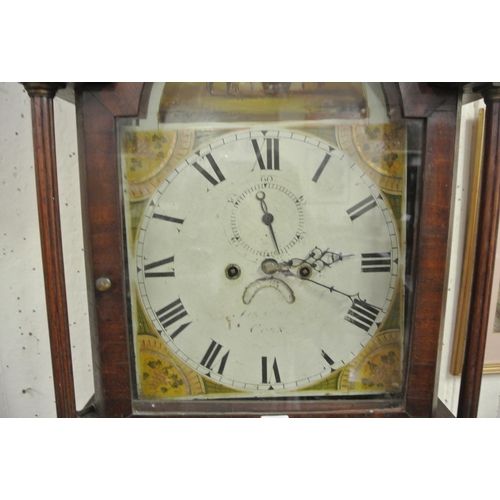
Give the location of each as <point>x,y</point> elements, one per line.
<point>266,249</point>
<point>278,274</point>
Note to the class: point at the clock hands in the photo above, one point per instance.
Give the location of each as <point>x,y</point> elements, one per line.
<point>317,260</point>
<point>271,266</point>
<point>267,218</point>
<point>305,267</point>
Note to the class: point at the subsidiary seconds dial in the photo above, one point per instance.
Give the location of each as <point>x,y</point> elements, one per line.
<point>265,218</point>
<point>267,260</point>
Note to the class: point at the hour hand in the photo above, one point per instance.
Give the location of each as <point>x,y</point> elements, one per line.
<point>319,259</point>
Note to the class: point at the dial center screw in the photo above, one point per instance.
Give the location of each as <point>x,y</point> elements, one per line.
<point>267,219</point>
<point>270,266</point>
<point>305,271</point>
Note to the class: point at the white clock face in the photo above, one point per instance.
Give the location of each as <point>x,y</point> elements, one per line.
<point>267,260</point>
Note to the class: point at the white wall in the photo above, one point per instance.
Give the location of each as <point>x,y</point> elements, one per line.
<point>26,387</point>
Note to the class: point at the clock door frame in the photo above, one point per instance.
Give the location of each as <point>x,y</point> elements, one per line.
<point>432,110</point>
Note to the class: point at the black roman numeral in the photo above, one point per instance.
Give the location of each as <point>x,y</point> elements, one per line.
<point>327,359</point>
<point>361,208</point>
<point>376,262</point>
<point>271,158</point>
<point>266,379</point>
<point>326,159</point>
<point>175,220</point>
<point>156,274</point>
<point>215,168</point>
<point>172,313</point>
<point>362,314</point>
<point>211,355</point>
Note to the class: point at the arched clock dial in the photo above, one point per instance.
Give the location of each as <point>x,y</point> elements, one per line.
<point>267,260</point>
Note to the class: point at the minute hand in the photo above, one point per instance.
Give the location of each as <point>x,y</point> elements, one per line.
<point>361,313</point>
<point>331,288</point>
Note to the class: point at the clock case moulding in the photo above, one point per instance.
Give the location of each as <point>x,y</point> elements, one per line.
<point>430,114</point>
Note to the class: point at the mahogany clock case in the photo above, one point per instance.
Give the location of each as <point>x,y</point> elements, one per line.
<point>429,115</point>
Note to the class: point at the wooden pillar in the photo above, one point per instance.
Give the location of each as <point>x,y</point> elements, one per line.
<point>482,281</point>
<point>42,111</point>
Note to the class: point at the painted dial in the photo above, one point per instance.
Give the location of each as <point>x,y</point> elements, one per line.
<point>267,260</point>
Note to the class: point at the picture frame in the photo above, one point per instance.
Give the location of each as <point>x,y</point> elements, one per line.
<point>492,351</point>
<point>464,302</point>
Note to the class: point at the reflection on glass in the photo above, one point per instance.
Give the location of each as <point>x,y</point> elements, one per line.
<point>266,241</point>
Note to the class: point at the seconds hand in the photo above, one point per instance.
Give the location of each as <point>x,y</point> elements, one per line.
<point>267,218</point>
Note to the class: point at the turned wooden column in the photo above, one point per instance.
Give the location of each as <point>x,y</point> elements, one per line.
<point>42,111</point>
<point>482,282</point>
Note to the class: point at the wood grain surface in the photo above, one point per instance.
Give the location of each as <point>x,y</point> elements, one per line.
<point>431,111</point>
<point>42,115</point>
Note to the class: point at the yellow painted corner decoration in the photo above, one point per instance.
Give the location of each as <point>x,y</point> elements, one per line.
<point>265,241</point>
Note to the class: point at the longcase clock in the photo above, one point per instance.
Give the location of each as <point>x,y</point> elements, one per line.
<point>266,248</point>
